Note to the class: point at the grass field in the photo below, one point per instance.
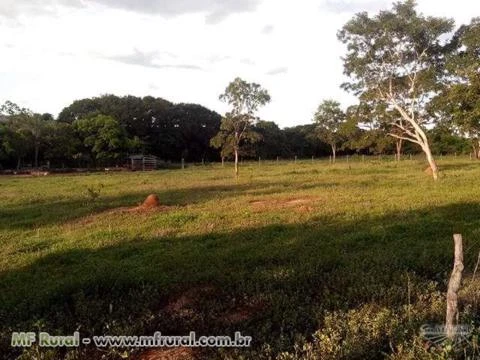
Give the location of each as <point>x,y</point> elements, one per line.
<point>314,261</point>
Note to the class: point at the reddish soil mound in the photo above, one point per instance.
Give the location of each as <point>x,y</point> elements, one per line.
<point>151,201</point>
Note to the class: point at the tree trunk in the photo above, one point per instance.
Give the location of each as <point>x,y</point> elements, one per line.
<point>236,161</point>
<point>334,152</point>
<point>36,155</point>
<point>431,160</point>
<point>398,144</point>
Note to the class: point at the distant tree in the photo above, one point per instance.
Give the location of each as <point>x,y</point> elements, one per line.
<point>459,103</point>
<point>396,58</point>
<point>13,144</point>
<point>102,137</point>
<point>301,141</point>
<point>329,119</point>
<point>36,126</point>
<point>236,127</point>
<point>158,127</point>
<point>375,119</point>
<point>272,142</point>
<point>61,142</point>
<point>80,109</point>
<point>32,127</point>
<point>186,132</point>
<point>444,141</point>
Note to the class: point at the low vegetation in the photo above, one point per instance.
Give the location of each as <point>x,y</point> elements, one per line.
<point>313,260</point>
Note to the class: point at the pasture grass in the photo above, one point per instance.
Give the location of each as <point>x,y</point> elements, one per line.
<point>342,260</point>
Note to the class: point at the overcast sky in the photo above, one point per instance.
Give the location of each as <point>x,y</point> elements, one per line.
<point>55,51</point>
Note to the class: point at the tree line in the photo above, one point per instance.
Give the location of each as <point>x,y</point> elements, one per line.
<point>417,82</point>
<point>103,131</point>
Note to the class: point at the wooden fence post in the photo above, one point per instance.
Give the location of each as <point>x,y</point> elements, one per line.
<point>183,163</point>
<point>453,287</point>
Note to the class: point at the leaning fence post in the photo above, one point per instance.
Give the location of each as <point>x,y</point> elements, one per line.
<point>454,286</point>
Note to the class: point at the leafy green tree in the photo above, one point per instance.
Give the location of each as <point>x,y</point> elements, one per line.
<point>158,127</point>
<point>459,103</point>
<point>236,128</point>
<point>444,141</point>
<point>61,143</point>
<point>396,58</point>
<point>30,127</point>
<point>13,144</point>
<point>329,119</point>
<point>102,137</point>
<point>272,140</point>
<point>186,132</point>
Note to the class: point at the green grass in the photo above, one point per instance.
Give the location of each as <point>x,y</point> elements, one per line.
<point>319,248</point>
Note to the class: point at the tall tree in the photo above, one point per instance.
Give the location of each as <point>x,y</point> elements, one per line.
<point>459,103</point>
<point>329,119</point>
<point>273,141</point>
<point>102,137</point>
<point>25,122</point>
<point>236,128</point>
<point>396,57</point>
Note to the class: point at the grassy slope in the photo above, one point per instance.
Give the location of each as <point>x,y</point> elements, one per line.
<point>355,235</point>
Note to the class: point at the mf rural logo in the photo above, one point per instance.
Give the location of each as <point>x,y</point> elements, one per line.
<point>437,335</point>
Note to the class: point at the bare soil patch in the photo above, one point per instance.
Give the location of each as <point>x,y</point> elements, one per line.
<point>178,353</point>
<point>187,299</point>
<point>300,203</point>
<point>243,313</point>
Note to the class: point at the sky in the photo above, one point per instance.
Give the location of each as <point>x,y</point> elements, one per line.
<point>53,52</point>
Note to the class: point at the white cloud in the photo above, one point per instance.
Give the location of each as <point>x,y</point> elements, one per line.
<point>90,47</point>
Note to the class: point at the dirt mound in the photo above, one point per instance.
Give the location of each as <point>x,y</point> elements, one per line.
<point>151,201</point>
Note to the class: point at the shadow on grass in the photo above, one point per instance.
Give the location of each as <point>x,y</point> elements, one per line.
<point>473,164</point>
<point>300,271</point>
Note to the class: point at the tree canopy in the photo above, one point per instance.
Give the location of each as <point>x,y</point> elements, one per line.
<point>397,58</point>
